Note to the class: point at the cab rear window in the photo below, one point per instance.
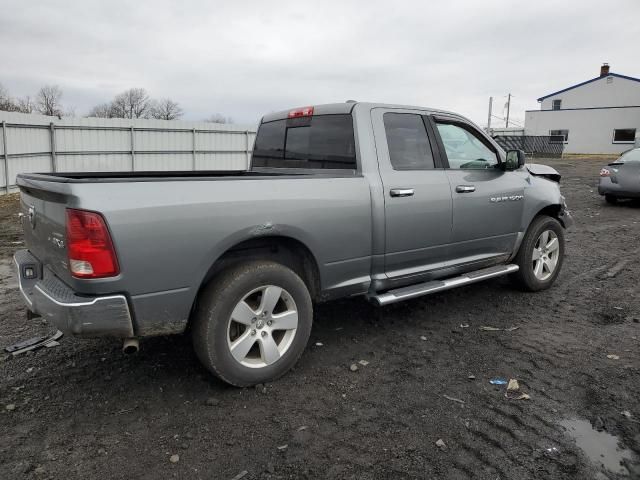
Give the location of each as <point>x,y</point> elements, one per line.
<point>316,142</point>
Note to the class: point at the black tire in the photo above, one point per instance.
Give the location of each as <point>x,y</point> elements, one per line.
<point>525,277</point>
<point>611,199</point>
<point>213,313</point>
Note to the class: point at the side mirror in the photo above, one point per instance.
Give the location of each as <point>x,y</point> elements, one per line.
<point>514,160</point>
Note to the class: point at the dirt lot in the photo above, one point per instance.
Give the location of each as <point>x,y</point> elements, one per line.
<point>83,410</point>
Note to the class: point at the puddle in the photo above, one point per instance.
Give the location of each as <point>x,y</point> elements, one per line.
<point>600,447</point>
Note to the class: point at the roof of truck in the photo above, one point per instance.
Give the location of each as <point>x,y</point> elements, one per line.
<point>347,107</point>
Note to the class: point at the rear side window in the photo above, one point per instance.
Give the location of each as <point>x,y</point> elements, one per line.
<point>409,147</point>
<point>323,141</point>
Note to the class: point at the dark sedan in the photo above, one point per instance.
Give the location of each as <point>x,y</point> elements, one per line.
<point>621,179</point>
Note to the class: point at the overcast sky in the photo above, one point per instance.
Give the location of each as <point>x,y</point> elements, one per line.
<point>245,58</point>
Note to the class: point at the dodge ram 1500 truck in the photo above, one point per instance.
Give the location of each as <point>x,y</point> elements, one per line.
<point>384,201</point>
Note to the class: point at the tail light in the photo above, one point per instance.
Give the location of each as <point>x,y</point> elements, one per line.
<point>89,246</point>
<point>605,172</point>
<point>301,112</point>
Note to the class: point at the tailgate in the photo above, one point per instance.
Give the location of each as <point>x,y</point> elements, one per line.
<point>43,207</point>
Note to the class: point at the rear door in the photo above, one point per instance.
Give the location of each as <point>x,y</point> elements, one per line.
<point>417,198</point>
<point>487,201</point>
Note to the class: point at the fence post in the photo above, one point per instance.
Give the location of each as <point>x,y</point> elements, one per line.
<point>246,143</point>
<point>52,141</point>
<point>193,156</point>
<point>133,150</point>
<point>6,155</point>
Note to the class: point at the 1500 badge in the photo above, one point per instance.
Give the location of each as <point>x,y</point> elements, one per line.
<point>506,198</point>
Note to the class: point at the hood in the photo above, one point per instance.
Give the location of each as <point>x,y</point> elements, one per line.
<point>543,171</point>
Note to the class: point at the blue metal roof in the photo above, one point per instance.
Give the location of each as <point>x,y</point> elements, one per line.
<point>589,81</point>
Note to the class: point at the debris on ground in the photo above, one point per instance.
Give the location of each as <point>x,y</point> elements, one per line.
<point>453,399</point>
<point>498,381</point>
<point>440,444</point>
<point>422,337</point>
<point>464,325</point>
<point>303,427</point>
<point>319,344</point>
<point>34,343</point>
<point>11,407</point>
<point>282,448</point>
<point>471,377</point>
<point>364,363</point>
<point>242,474</point>
<point>613,357</point>
<point>513,391</point>
<point>174,458</point>
<point>353,367</point>
<point>497,329</point>
<point>626,413</point>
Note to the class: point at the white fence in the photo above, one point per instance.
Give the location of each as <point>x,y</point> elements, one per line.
<point>36,143</point>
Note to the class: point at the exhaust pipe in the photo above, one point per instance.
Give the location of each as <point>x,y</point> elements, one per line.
<point>130,346</point>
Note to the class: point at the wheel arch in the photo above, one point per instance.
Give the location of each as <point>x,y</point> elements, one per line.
<point>282,249</point>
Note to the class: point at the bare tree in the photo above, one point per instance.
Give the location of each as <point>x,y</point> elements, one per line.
<point>165,109</point>
<point>218,118</point>
<point>132,103</point>
<point>48,100</point>
<point>26,104</point>
<point>104,110</point>
<point>7,103</point>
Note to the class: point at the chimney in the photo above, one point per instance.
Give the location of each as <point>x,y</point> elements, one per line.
<point>604,70</point>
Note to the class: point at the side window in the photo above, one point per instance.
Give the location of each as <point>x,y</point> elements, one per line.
<point>409,147</point>
<point>465,149</point>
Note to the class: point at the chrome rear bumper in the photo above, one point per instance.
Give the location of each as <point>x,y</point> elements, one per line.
<point>46,295</point>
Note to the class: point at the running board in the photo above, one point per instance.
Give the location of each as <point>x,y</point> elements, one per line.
<point>413,291</point>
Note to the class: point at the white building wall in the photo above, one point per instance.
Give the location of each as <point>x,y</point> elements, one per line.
<point>619,92</point>
<point>590,130</point>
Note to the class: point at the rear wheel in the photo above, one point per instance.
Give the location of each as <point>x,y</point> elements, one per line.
<point>541,254</point>
<point>611,199</point>
<point>252,323</point>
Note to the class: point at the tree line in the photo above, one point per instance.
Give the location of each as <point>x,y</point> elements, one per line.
<point>132,103</point>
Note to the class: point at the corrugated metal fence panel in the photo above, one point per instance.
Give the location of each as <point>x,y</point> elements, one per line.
<point>112,162</point>
<point>97,144</point>
<point>164,162</point>
<point>32,164</point>
<point>92,140</point>
<point>221,161</point>
<point>27,140</point>
<point>221,141</point>
<point>153,140</point>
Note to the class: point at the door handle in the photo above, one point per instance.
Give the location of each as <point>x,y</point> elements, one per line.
<point>401,192</point>
<point>465,188</point>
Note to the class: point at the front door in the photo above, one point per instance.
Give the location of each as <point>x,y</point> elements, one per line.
<point>417,196</point>
<point>488,202</point>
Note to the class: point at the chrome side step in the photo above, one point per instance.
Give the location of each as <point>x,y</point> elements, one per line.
<point>413,291</point>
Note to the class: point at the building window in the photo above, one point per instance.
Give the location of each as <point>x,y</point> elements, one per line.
<point>624,135</point>
<point>559,136</point>
<point>556,104</point>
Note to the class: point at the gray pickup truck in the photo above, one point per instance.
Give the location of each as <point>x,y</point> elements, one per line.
<point>383,201</point>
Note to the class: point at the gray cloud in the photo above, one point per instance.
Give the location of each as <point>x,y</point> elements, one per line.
<point>246,58</point>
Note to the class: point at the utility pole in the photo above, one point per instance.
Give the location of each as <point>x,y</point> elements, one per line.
<point>489,117</point>
<point>508,108</point>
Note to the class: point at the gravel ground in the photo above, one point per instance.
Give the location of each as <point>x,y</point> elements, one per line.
<point>83,410</point>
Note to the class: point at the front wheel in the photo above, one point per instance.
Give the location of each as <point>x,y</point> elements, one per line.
<point>252,323</point>
<point>541,254</point>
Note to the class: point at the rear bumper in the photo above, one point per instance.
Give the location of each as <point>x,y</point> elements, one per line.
<point>607,187</point>
<point>49,297</point>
